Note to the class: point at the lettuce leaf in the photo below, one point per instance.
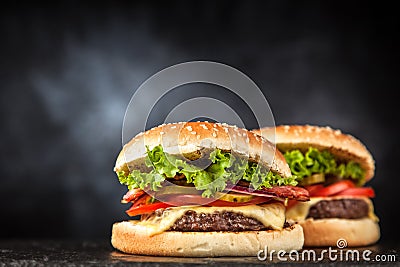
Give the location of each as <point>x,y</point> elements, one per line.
<point>137,179</point>
<point>315,161</point>
<point>223,168</point>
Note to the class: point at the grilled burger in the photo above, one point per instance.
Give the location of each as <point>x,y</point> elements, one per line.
<point>333,167</point>
<point>205,189</point>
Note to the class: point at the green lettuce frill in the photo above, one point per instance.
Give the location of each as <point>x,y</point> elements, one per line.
<point>315,161</point>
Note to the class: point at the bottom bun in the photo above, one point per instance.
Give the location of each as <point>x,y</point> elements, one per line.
<point>327,232</point>
<point>130,238</point>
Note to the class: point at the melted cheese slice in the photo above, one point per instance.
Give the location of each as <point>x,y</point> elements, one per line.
<point>300,211</point>
<point>270,215</point>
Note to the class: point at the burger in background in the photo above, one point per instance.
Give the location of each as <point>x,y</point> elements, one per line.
<point>333,167</point>
<point>205,189</point>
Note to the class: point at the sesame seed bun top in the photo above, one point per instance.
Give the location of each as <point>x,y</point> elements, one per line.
<point>185,138</point>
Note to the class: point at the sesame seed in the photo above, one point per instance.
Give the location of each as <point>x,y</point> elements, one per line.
<point>189,128</point>
<point>173,127</point>
<point>198,136</point>
<point>161,133</point>
<point>193,132</point>
<point>214,134</point>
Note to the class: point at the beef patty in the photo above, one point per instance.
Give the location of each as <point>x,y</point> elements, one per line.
<point>192,221</point>
<point>339,208</point>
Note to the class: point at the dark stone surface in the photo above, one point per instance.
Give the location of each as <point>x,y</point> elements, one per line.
<point>100,253</point>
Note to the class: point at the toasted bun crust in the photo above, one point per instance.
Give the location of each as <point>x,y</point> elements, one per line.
<point>188,138</point>
<point>343,146</point>
<point>128,237</point>
<point>327,232</point>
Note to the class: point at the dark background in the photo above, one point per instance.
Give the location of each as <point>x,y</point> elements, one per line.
<point>68,71</point>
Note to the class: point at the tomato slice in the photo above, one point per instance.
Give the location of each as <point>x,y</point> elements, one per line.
<point>312,189</point>
<point>181,200</point>
<point>334,188</point>
<point>362,191</point>
<point>144,209</point>
<point>132,195</point>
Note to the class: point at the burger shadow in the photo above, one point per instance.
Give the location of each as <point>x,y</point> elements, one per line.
<point>117,256</point>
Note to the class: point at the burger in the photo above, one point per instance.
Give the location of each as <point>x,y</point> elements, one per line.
<point>333,167</point>
<point>200,189</point>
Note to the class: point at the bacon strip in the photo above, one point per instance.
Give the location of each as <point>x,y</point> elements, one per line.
<point>286,191</point>
<point>132,195</point>
<point>289,191</point>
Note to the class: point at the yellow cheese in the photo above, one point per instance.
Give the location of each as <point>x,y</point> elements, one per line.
<point>299,212</point>
<point>270,215</point>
